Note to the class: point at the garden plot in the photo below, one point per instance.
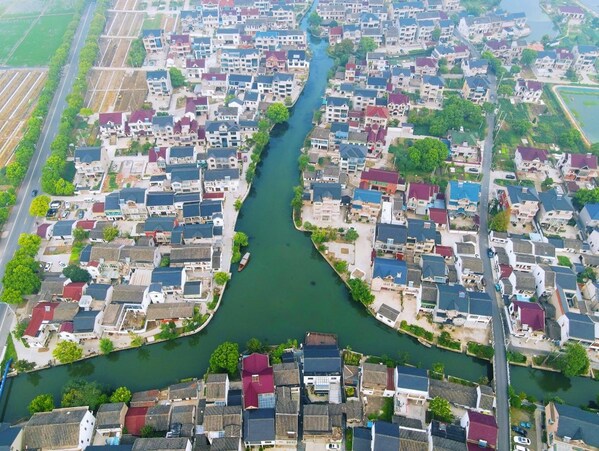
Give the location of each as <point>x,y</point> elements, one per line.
<point>116,90</point>
<point>19,90</point>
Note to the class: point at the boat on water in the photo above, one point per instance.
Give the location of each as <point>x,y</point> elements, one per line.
<point>244,261</point>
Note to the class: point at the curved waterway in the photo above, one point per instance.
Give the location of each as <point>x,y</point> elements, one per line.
<point>286,290</point>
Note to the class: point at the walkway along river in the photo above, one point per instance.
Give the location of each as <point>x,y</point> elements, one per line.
<point>287,289</point>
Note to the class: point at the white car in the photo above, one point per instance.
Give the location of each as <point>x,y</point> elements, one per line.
<point>521,440</point>
<point>67,205</point>
<point>520,448</point>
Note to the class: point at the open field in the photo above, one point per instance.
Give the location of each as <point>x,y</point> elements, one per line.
<point>114,51</point>
<point>581,105</point>
<point>123,24</point>
<point>19,90</point>
<point>167,22</point>
<point>127,5</point>
<point>116,90</point>
<point>31,30</point>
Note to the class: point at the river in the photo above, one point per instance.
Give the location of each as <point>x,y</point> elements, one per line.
<point>540,23</point>
<point>286,290</point>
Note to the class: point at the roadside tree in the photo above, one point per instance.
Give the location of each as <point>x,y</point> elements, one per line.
<point>39,205</point>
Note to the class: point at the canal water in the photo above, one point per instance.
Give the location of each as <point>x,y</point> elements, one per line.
<point>286,290</point>
<point>540,23</point>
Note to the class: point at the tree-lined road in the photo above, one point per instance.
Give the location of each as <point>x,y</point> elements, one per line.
<point>20,221</point>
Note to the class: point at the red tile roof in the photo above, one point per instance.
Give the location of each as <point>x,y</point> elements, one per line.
<point>257,376</point>
<point>377,111</point>
<point>98,207</point>
<point>85,224</point>
<point>42,312</point>
<point>42,231</point>
<point>73,290</point>
<point>531,314</point>
<point>426,62</point>
<point>141,116</point>
<point>67,326</point>
<point>135,419</point>
<point>195,63</point>
<point>438,215</point>
<point>335,31</point>
<point>380,175</point>
<point>106,118</point>
<point>531,153</point>
<point>156,153</point>
<point>581,160</point>
<point>506,271</point>
<point>482,427</point>
<point>444,251</point>
<point>422,191</point>
<point>398,99</point>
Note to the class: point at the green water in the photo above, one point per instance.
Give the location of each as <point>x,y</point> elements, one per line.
<point>286,290</point>
<point>583,104</point>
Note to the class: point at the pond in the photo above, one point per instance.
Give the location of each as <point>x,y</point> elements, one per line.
<point>582,104</point>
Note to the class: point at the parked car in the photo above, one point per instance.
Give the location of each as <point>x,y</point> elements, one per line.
<point>47,265</point>
<point>67,205</point>
<point>34,193</point>
<point>490,253</point>
<point>55,204</point>
<point>498,288</point>
<point>333,446</point>
<point>510,177</point>
<point>519,430</point>
<point>80,214</point>
<point>525,425</point>
<point>64,214</point>
<point>521,440</point>
<point>520,448</point>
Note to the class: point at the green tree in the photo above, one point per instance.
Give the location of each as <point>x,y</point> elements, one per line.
<point>137,53</point>
<point>427,154</point>
<point>528,57</point>
<point>571,139</point>
<point>147,431</point>
<point>20,329</point>
<point>67,351</point>
<point>136,340</point>
<point>547,183</point>
<point>39,205</point>
<point>574,361</point>
<point>177,77</point>
<point>225,358</point>
<point>500,222</point>
<point>80,235</point>
<point>11,295</point>
<point>110,233</point>
<point>439,368</point>
<point>221,278</point>
<point>277,113</point>
<point>76,274</point>
<point>562,260</point>
<point>586,196</point>
<point>364,46</point>
<point>351,235</point>
<point>30,243</point>
<point>237,205</point>
<point>254,345</point>
<point>360,291</point>
<point>41,403</point>
<point>168,331</point>
<point>121,394</point>
<point>240,239</point>
<point>106,345</point>
<point>340,266</point>
<point>23,365</point>
<point>521,127</point>
<point>78,392</point>
<point>314,20</point>
<point>436,34</point>
<point>440,409</point>
<point>341,51</point>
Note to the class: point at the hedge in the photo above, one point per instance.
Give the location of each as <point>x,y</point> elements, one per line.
<point>416,330</point>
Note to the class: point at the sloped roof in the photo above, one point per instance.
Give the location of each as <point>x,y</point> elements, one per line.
<point>257,376</point>
<point>54,430</point>
<point>482,427</point>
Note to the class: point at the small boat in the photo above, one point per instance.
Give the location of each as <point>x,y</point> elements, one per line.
<point>244,261</point>
<point>424,342</point>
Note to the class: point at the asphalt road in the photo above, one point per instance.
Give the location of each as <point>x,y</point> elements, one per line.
<point>20,221</point>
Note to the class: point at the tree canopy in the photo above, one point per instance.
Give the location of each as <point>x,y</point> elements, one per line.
<point>39,205</point>
<point>41,403</point>
<point>76,274</point>
<point>225,358</point>
<point>440,409</point>
<point>110,233</point>
<point>314,20</point>
<point>528,57</point>
<point>586,196</point>
<point>574,361</point>
<point>426,155</point>
<point>177,77</point>
<point>277,113</point>
<point>121,394</point>
<point>79,392</point>
<point>360,291</point>
<point>456,113</point>
<point>106,345</point>
<point>364,46</point>
<point>221,278</point>
<point>67,351</point>
<point>500,222</point>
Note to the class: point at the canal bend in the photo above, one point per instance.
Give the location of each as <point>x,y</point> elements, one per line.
<point>287,289</point>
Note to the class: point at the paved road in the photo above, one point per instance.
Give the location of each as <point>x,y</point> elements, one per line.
<point>500,365</point>
<point>20,221</point>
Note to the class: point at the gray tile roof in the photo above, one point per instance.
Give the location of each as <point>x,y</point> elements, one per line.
<point>216,387</point>
<point>160,444</point>
<point>54,430</point>
<point>316,419</point>
<point>286,374</point>
<point>374,375</point>
<point>412,378</point>
<point>159,417</point>
<point>578,424</point>
<point>258,425</point>
<point>109,415</point>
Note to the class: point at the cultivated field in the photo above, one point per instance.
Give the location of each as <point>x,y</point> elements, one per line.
<point>116,90</point>
<point>126,5</point>
<point>31,30</point>
<point>19,90</point>
<point>167,22</point>
<point>114,51</point>
<point>123,24</point>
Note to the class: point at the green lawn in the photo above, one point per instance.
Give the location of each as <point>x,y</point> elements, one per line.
<point>41,42</point>
<point>151,23</point>
<point>10,33</point>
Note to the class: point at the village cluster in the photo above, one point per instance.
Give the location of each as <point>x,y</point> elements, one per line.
<point>153,216</point>
<point>418,247</point>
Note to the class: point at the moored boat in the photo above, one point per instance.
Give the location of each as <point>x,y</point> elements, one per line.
<point>244,261</point>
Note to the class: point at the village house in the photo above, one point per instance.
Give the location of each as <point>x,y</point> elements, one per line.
<point>221,180</point>
<point>352,158</point>
<point>431,89</point>
<point>67,428</point>
<point>365,205</point>
<point>258,382</point>
<point>585,57</point>
<point>398,105</point>
<point>409,241</point>
<point>476,89</point>
<point>472,67</point>
<point>531,159</point>
<point>480,429</point>
<point>571,427</point>
<point>528,91</point>
<point>578,167</point>
<point>112,124</point>
<point>462,198</point>
<point>91,162</point>
<point>379,180</point>
<point>389,274</point>
<point>223,134</point>
<point>464,147</point>
<point>571,14</point>
<point>411,390</point>
<point>217,389</point>
<point>421,196</point>
<point>159,83</point>
<point>589,215</point>
<point>194,69</point>
<point>377,380</point>
<point>522,201</point>
<point>527,319</point>
<point>326,202</point>
<point>153,40</point>
<point>555,210</point>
